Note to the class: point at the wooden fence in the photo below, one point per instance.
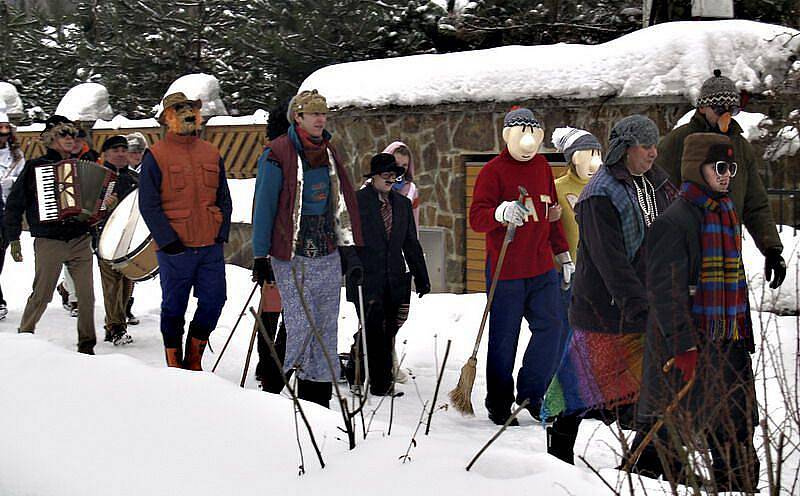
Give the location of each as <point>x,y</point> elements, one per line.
<point>239,145</point>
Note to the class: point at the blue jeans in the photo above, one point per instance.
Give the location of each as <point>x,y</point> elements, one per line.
<point>539,300</point>
<point>202,269</point>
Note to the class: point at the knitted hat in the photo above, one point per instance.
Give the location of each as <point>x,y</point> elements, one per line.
<point>569,140</point>
<point>521,117</point>
<point>136,142</point>
<point>718,91</point>
<point>703,148</point>
<point>631,131</point>
<point>307,101</point>
<point>383,162</point>
<point>113,142</point>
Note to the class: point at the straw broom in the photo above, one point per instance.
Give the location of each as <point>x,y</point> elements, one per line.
<point>461,396</point>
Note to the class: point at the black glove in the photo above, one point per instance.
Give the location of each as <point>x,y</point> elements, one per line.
<point>423,290</point>
<point>351,265</point>
<point>174,248</point>
<point>262,271</point>
<point>773,262</point>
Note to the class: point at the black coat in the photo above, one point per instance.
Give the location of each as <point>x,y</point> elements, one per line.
<point>608,292</point>
<point>674,250</point>
<point>385,259</point>
<point>22,200</point>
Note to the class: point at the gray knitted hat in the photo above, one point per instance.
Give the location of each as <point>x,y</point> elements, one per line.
<point>631,131</point>
<point>718,91</point>
<point>521,117</point>
<point>569,140</point>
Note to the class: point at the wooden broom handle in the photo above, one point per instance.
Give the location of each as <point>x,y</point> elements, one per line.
<point>510,231</point>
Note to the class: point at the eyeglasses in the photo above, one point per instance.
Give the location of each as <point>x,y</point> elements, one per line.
<point>721,167</point>
<point>182,106</point>
<point>388,176</point>
<point>66,132</point>
<point>723,109</point>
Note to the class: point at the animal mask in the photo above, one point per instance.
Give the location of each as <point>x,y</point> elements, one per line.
<point>183,119</point>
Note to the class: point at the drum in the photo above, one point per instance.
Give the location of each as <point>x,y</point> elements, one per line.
<point>126,242</point>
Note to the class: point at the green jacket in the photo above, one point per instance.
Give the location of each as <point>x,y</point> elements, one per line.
<point>747,190</point>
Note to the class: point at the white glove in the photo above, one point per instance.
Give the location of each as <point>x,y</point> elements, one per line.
<point>567,269</point>
<point>511,212</point>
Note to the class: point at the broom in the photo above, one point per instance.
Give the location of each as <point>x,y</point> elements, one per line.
<point>461,396</point>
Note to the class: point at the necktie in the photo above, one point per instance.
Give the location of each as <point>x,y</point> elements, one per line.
<point>386,214</point>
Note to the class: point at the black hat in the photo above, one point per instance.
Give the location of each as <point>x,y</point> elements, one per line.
<point>113,142</point>
<point>384,162</point>
<point>55,120</point>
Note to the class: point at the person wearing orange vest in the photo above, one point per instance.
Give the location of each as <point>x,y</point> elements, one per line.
<point>185,202</point>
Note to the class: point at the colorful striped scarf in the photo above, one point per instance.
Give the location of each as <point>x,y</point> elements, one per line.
<point>720,306</point>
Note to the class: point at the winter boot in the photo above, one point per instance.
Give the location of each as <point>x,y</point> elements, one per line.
<point>64,294</point>
<point>132,319</point>
<point>73,309</point>
<point>120,336</point>
<point>174,357</point>
<point>560,445</point>
<point>194,353</point>
<point>315,392</point>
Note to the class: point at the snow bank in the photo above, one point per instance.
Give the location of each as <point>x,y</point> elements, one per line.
<point>85,102</point>
<point>9,98</point>
<point>786,299</point>
<point>258,117</point>
<point>122,122</point>
<point>666,59</point>
<point>202,86</point>
<point>242,191</point>
<point>36,127</point>
<point>749,122</point>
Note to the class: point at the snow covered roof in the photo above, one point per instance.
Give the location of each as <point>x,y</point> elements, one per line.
<point>665,59</point>
<point>258,117</point>
<point>85,102</point>
<point>194,86</point>
<point>9,98</point>
<point>122,122</point>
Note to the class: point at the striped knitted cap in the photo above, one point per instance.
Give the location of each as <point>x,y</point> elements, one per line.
<point>521,117</point>
<point>569,140</point>
<point>718,91</point>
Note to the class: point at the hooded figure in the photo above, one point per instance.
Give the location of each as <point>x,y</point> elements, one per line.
<point>528,284</point>
<point>405,184</point>
<point>700,322</point>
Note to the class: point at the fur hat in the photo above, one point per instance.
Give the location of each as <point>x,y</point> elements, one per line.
<point>521,117</point>
<point>633,130</point>
<point>718,91</point>
<point>113,142</point>
<point>307,101</point>
<point>703,148</point>
<point>136,142</point>
<point>569,140</point>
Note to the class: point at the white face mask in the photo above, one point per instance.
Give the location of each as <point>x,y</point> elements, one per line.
<point>587,162</point>
<point>523,141</point>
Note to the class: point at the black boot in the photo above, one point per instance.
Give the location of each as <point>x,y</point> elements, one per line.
<point>315,392</point>
<point>561,438</point>
<point>132,319</point>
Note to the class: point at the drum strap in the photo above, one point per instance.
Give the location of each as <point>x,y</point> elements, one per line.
<point>127,234</point>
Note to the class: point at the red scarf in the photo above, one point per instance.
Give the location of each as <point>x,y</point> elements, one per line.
<point>315,153</point>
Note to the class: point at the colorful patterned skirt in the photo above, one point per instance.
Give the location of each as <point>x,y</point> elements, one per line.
<point>598,372</point>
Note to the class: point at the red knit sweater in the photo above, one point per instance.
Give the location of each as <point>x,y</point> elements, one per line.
<point>535,243</point>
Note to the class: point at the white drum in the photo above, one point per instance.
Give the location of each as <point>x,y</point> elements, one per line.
<point>126,242</point>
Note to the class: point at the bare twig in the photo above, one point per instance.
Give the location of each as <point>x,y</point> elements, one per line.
<point>438,383</point>
<point>413,443</point>
<point>497,434</point>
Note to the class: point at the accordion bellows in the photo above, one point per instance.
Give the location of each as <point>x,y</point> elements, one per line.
<point>73,188</point>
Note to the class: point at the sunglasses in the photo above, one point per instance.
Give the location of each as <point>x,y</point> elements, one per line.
<point>66,132</point>
<point>388,176</point>
<point>721,167</point>
<point>729,109</point>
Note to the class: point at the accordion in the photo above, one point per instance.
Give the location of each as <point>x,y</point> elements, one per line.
<point>72,188</point>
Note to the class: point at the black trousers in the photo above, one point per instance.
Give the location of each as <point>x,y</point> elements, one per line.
<point>3,248</point>
<point>381,327</point>
<point>267,371</point>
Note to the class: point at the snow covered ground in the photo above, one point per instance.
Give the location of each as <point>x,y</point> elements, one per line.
<point>121,423</point>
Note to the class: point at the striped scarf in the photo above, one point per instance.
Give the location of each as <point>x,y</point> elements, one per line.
<point>720,306</point>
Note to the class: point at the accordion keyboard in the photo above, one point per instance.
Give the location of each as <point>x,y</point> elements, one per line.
<point>46,193</point>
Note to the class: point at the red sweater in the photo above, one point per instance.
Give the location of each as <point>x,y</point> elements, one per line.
<point>535,243</point>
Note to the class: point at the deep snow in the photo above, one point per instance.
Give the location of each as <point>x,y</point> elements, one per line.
<point>121,423</point>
